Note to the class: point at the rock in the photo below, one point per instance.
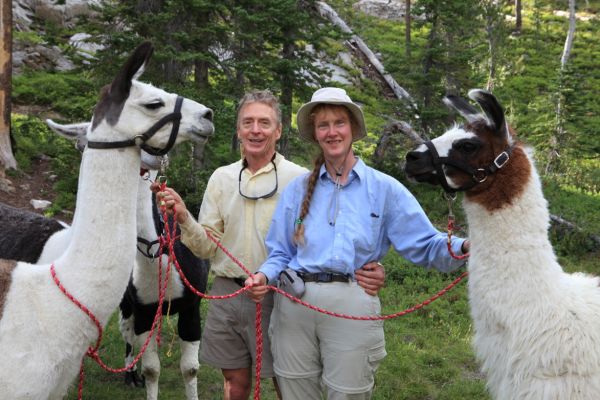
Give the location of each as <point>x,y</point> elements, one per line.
<point>29,15</point>
<point>40,204</point>
<point>65,14</point>
<point>6,185</point>
<point>387,9</point>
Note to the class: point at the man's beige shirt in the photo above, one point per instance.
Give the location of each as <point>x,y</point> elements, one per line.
<point>238,223</point>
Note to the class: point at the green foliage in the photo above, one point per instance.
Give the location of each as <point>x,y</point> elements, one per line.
<point>70,94</point>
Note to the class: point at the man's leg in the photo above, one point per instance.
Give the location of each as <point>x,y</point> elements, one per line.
<point>277,389</point>
<point>237,384</point>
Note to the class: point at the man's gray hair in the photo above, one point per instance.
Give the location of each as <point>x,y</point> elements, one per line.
<point>260,96</point>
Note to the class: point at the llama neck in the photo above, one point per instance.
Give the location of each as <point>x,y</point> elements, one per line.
<point>146,228</point>
<point>97,264</point>
<point>512,239</point>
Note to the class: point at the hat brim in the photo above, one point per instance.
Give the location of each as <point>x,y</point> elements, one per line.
<point>306,128</point>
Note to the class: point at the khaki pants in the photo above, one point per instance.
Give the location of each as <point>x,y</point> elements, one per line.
<point>311,349</point>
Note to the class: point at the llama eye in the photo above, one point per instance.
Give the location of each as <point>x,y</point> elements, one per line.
<point>467,147</point>
<point>154,105</point>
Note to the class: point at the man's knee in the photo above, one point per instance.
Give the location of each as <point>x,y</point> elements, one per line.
<point>238,383</point>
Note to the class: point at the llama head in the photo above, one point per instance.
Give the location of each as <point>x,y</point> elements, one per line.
<point>78,133</point>
<point>131,112</point>
<point>466,157</point>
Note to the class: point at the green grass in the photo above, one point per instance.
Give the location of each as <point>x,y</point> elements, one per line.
<point>429,351</point>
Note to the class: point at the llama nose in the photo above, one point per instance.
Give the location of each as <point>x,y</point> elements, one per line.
<point>414,156</point>
<point>208,114</point>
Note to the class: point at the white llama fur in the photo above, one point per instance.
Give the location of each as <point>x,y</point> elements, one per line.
<point>43,335</point>
<point>536,328</point>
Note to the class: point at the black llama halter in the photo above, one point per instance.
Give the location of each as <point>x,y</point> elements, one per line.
<point>140,140</point>
<point>478,175</point>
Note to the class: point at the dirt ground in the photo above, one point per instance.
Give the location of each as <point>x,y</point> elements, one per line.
<point>18,188</point>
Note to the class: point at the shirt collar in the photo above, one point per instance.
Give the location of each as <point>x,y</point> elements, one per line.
<point>358,170</point>
<point>265,169</point>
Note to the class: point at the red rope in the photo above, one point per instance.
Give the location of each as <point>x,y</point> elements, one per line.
<point>449,241</point>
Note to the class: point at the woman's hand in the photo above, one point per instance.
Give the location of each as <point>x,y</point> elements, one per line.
<point>170,199</point>
<point>258,287</point>
<point>371,277</point>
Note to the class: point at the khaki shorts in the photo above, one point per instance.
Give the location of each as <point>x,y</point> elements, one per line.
<point>229,336</point>
<point>344,353</point>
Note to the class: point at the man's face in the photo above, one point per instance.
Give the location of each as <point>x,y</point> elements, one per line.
<point>258,129</point>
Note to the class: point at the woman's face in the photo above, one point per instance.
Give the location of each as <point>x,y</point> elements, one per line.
<point>333,131</point>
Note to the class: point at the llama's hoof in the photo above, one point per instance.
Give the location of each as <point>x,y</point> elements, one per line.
<point>132,379</point>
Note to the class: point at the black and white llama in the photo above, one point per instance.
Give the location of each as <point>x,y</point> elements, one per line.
<point>139,303</point>
<point>43,335</point>
<point>537,328</point>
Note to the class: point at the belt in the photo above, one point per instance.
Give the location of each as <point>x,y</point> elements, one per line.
<point>325,277</point>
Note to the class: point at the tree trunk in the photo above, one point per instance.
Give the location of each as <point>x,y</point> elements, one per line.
<point>570,36</point>
<point>518,19</point>
<point>7,159</point>
<point>287,93</point>
<point>557,142</point>
<point>407,21</point>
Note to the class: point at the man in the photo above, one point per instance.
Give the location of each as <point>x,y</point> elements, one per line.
<point>238,203</point>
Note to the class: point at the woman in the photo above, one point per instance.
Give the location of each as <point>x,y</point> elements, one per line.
<point>326,225</point>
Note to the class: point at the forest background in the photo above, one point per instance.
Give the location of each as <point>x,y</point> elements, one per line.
<point>540,58</point>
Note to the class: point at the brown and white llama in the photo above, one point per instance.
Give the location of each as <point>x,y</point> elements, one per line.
<point>537,328</point>
<point>43,335</point>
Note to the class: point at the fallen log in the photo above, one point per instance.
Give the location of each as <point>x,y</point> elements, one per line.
<point>326,11</point>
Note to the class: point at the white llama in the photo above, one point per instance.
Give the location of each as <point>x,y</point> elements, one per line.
<point>537,328</point>
<point>43,335</point>
<point>139,303</point>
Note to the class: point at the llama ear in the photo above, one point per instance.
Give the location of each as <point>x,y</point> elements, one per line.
<point>69,131</point>
<point>463,107</point>
<point>492,109</point>
<point>132,69</point>
<point>75,132</point>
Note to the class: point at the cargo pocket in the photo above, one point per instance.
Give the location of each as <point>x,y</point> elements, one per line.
<point>374,356</point>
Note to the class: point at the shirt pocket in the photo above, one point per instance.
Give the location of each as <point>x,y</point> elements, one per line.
<point>376,225</point>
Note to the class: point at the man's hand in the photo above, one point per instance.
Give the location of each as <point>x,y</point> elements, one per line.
<point>371,277</point>
<point>170,199</point>
<point>259,287</point>
<point>466,246</point>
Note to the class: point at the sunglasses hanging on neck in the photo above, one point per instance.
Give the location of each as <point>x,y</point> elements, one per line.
<point>264,196</point>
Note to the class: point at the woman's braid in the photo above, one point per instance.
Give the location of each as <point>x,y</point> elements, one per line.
<point>310,188</point>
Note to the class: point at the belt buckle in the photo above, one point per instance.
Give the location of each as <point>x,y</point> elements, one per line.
<point>325,277</point>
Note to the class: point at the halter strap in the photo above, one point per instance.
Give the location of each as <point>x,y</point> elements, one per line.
<point>140,140</point>
<point>478,175</point>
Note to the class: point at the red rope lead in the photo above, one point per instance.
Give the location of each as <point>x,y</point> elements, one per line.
<point>449,241</point>
<point>259,351</point>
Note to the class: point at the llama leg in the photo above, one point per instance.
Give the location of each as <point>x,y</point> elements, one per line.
<point>150,366</point>
<point>189,365</point>
<point>132,378</point>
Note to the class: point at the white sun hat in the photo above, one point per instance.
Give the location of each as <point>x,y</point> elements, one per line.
<point>329,95</point>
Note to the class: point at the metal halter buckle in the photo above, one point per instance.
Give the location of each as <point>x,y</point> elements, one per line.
<point>480,175</point>
<point>501,160</point>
